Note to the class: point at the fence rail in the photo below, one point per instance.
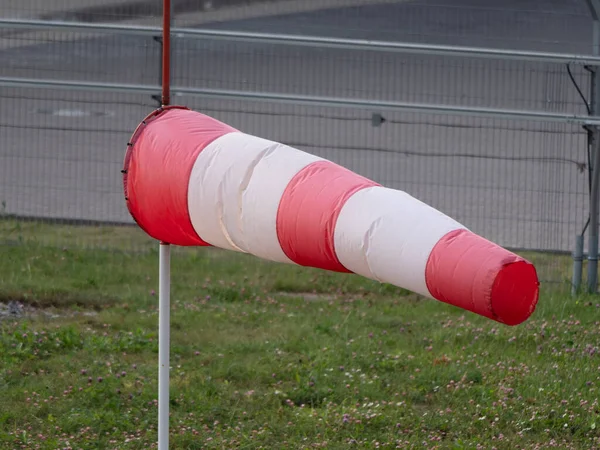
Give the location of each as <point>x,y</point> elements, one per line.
<point>309,41</point>
<point>306,100</point>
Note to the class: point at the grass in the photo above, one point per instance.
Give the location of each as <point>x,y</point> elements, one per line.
<point>274,356</point>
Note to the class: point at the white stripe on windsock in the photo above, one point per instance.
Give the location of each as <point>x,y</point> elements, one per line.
<point>387,235</point>
<point>234,192</point>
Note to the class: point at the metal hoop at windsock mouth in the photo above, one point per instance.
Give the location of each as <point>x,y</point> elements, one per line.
<point>192,180</point>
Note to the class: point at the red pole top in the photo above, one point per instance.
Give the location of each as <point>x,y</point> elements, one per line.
<point>166,54</point>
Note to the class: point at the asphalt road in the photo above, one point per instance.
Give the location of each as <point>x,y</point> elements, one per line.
<point>518,183</point>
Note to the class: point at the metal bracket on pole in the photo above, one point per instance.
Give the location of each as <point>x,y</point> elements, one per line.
<point>158,97</point>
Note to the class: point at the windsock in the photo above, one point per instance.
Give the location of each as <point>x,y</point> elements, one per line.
<point>191,180</point>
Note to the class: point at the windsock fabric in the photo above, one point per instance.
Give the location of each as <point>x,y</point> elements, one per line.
<point>191,180</point>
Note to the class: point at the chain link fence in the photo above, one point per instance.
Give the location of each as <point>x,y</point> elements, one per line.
<point>523,183</point>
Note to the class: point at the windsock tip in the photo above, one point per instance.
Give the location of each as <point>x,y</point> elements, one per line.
<point>515,292</point>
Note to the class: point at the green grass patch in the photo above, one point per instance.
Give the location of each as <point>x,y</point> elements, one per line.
<point>270,356</point>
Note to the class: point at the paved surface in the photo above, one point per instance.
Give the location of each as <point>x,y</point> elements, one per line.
<point>518,183</point>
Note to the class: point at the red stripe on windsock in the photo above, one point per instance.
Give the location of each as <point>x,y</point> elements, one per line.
<point>473,273</point>
<point>308,212</point>
<point>157,169</point>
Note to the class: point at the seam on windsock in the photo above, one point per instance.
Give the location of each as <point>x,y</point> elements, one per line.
<point>333,214</point>
<point>220,200</point>
<point>189,176</point>
<point>488,295</point>
<point>433,290</point>
<point>290,183</point>
<point>473,292</point>
<point>322,189</point>
<point>336,213</point>
<point>244,184</point>
<point>220,214</point>
<point>366,247</point>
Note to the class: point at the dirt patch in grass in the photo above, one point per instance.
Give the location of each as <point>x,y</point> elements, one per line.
<point>59,300</point>
<point>308,296</point>
<point>343,298</point>
<point>16,310</point>
<point>51,305</point>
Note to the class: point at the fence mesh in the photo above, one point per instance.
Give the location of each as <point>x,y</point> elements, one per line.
<point>90,11</point>
<point>523,184</point>
<point>551,25</point>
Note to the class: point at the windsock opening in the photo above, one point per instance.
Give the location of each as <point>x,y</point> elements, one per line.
<point>158,162</point>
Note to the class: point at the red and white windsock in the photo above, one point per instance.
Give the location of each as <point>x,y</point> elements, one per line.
<point>191,180</point>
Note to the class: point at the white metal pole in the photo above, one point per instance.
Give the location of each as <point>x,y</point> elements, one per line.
<point>164,334</point>
<point>164,263</point>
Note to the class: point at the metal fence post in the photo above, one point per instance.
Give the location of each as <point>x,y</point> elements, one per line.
<point>577,264</point>
<point>594,6</point>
